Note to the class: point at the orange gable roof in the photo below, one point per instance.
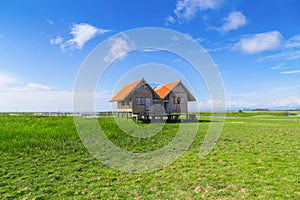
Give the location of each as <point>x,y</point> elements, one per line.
<point>161,91</point>
<point>125,91</point>
<point>165,89</point>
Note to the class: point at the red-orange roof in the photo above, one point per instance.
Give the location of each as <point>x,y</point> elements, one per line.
<point>161,91</point>
<point>125,91</point>
<point>165,89</point>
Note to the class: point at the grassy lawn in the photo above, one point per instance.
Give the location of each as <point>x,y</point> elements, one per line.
<point>256,157</point>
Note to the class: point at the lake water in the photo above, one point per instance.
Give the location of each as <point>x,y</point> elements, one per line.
<point>297,115</point>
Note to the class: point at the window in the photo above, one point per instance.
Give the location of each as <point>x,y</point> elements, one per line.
<point>140,101</point>
<point>122,103</point>
<point>178,100</point>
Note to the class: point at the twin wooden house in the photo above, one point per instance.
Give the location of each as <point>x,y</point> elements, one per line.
<point>139,98</point>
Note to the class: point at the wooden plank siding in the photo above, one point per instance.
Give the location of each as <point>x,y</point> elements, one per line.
<point>139,99</point>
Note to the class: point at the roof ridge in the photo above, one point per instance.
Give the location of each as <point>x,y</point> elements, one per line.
<point>166,88</point>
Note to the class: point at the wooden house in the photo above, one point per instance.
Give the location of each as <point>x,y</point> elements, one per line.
<point>175,97</point>
<point>137,98</point>
<point>140,98</point>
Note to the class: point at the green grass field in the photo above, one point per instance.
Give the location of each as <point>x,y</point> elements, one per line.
<point>256,157</point>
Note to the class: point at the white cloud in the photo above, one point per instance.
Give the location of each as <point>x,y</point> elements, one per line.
<point>288,102</point>
<point>170,20</point>
<point>273,97</point>
<point>218,49</point>
<point>21,87</point>
<point>259,42</point>
<point>50,21</point>
<point>279,103</point>
<point>10,84</point>
<point>276,67</point>
<point>284,55</point>
<point>81,34</point>
<point>233,21</point>
<point>48,101</point>
<point>293,42</point>
<point>187,9</point>
<point>118,48</point>
<point>149,50</point>
<point>289,51</point>
<point>36,101</point>
<point>56,40</point>
<point>290,72</point>
<point>4,79</point>
<point>18,96</point>
<point>200,39</point>
<point>36,86</point>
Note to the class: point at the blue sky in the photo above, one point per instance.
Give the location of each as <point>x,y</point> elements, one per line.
<point>255,44</point>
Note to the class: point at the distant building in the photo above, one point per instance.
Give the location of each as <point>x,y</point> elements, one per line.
<point>140,98</point>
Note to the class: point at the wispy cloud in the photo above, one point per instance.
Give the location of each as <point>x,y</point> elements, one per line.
<point>4,79</point>
<point>36,86</point>
<point>260,42</point>
<point>291,72</point>
<point>233,21</point>
<point>38,101</point>
<point>200,39</point>
<point>11,84</point>
<point>50,21</point>
<point>225,47</point>
<point>81,34</point>
<point>56,40</point>
<point>279,103</point>
<point>27,87</point>
<point>276,67</point>
<point>284,55</point>
<point>275,97</point>
<point>170,20</point>
<point>118,49</point>
<point>293,42</point>
<point>289,51</point>
<point>16,95</point>
<point>48,100</point>
<point>187,9</point>
<point>190,37</point>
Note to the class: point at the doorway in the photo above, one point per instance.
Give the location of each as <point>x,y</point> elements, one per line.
<point>147,103</point>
